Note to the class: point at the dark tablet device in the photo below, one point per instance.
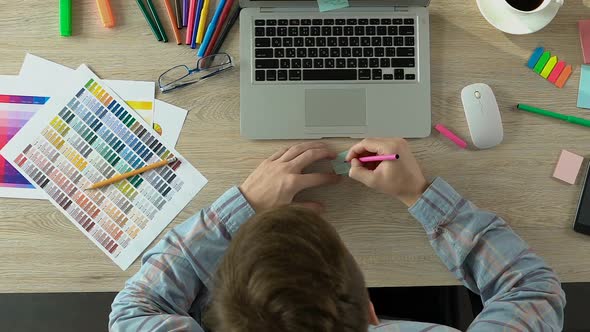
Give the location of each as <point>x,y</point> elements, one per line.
<point>582,221</point>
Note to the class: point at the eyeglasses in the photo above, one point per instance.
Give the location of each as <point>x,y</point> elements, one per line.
<point>182,75</point>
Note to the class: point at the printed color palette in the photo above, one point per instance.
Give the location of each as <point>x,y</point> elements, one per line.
<point>15,112</point>
<point>548,67</point>
<point>88,135</point>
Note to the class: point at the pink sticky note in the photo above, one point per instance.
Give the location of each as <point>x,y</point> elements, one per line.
<point>584,28</point>
<point>556,72</point>
<point>568,167</point>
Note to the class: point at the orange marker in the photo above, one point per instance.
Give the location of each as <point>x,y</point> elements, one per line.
<point>106,13</point>
<point>565,74</point>
<point>173,21</point>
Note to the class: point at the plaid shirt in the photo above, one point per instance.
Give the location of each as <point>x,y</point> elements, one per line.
<point>519,291</point>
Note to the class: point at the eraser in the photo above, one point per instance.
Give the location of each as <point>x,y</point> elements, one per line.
<point>584,28</point>
<point>568,167</point>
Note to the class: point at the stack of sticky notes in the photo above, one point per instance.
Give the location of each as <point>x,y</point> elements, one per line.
<point>548,67</point>
<point>568,167</point>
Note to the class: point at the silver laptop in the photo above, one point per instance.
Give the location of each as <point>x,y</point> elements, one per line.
<point>362,71</point>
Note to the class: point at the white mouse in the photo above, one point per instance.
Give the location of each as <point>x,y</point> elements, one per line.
<point>483,115</point>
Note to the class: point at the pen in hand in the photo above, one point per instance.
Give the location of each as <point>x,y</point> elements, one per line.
<point>378,158</point>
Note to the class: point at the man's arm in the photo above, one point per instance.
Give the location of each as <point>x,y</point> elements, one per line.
<point>519,291</point>
<point>176,273</point>
<point>178,268</point>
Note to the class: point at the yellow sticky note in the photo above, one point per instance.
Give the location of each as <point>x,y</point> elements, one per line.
<point>549,67</point>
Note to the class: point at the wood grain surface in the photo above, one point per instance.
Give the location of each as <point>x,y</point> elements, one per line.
<point>41,251</point>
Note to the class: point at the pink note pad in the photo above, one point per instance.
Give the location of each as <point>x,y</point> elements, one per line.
<point>584,28</point>
<point>568,167</point>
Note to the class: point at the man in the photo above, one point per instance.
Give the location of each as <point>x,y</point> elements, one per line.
<point>250,262</point>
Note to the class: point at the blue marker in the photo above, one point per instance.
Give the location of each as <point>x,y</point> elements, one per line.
<point>535,57</point>
<point>211,28</point>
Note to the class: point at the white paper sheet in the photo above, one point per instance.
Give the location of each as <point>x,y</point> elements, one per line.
<point>86,133</point>
<point>13,116</point>
<point>140,95</point>
<point>168,121</point>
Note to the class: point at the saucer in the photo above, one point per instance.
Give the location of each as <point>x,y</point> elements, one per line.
<point>509,21</point>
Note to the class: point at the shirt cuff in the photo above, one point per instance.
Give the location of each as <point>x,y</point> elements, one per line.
<point>436,205</point>
<point>232,209</point>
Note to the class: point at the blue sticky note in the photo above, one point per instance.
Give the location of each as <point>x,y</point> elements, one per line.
<point>535,57</point>
<point>584,90</point>
<point>327,5</point>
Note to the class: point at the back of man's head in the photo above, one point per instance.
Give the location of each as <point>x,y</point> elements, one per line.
<point>288,270</point>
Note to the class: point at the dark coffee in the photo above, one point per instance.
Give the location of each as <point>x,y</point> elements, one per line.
<point>525,5</point>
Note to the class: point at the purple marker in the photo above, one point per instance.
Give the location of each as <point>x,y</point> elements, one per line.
<point>185,6</point>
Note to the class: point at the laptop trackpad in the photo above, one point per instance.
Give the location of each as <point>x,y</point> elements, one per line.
<point>345,109</point>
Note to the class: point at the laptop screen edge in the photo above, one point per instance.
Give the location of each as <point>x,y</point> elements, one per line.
<point>353,3</point>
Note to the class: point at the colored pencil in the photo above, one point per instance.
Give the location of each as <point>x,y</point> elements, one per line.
<point>157,20</point>
<point>198,11</point>
<point>233,17</point>
<point>202,21</point>
<point>211,28</point>
<point>191,19</point>
<point>124,176</point>
<point>178,12</point>
<point>65,18</point>
<point>149,20</point>
<point>106,13</point>
<point>185,7</point>
<point>222,20</point>
<point>172,18</point>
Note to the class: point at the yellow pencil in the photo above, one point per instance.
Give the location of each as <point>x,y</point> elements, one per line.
<point>203,21</point>
<point>124,176</point>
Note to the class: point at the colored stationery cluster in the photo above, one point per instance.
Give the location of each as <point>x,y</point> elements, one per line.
<point>192,14</point>
<point>548,67</point>
<point>63,130</point>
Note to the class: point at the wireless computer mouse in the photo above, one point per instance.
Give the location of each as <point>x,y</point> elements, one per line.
<point>483,115</point>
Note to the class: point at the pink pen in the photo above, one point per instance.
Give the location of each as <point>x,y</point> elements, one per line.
<point>449,134</point>
<point>379,158</point>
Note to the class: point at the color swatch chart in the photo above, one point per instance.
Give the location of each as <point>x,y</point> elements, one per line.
<point>549,67</point>
<point>15,111</point>
<point>91,136</point>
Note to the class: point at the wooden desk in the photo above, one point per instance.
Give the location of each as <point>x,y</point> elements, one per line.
<point>41,251</point>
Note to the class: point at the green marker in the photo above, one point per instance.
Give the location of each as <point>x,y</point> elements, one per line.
<point>65,17</point>
<point>563,117</point>
<point>542,62</point>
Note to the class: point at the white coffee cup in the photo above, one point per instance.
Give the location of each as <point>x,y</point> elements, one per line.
<point>541,7</point>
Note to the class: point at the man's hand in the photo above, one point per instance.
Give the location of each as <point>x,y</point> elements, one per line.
<point>278,179</point>
<point>401,178</point>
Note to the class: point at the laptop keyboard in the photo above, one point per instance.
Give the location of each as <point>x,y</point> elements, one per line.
<point>335,49</point>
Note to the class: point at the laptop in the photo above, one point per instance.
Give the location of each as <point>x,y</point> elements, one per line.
<point>361,71</point>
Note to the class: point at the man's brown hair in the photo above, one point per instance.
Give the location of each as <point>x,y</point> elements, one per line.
<point>288,270</point>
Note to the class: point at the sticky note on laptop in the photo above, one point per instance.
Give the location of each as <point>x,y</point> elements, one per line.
<point>327,5</point>
<point>340,165</point>
<point>568,167</point>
